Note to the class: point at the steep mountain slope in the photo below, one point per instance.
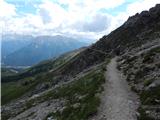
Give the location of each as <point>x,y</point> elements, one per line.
<point>39,89</point>
<point>33,75</point>
<point>42,48</point>
<point>134,32</point>
<point>142,68</point>
<point>72,90</point>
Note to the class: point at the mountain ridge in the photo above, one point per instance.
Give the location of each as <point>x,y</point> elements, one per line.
<point>115,42</point>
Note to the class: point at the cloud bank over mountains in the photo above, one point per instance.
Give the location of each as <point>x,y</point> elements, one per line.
<point>74,18</point>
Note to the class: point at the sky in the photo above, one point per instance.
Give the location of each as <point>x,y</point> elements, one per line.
<point>74,18</point>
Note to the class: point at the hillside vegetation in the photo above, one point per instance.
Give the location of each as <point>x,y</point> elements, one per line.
<point>20,83</point>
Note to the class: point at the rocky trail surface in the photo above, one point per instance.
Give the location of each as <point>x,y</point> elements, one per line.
<point>118,101</point>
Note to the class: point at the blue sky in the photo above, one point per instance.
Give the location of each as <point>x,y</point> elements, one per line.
<point>28,6</point>
<point>76,18</point>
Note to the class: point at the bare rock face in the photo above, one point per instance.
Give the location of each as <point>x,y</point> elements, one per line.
<point>144,18</point>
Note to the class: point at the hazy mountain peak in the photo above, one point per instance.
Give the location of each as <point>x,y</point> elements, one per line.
<point>41,48</point>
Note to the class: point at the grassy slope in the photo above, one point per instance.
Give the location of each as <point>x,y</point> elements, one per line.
<point>12,90</point>
<point>81,97</point>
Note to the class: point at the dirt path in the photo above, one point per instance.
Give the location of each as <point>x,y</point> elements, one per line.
<point>118,101</point>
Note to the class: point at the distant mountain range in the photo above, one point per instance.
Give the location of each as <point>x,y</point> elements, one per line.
<point>27,50</point>
<point>12,43</point>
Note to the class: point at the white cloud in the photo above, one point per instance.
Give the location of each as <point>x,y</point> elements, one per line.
<point>79,18</point>
<point>52,12</point>
<point>6,10</point>
<point>98,23</point>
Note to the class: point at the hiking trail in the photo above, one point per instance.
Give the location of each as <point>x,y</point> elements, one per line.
<point>118,102</point>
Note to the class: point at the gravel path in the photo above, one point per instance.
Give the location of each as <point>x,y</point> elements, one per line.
<point>118,101</point>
